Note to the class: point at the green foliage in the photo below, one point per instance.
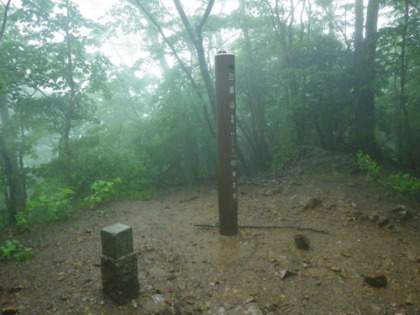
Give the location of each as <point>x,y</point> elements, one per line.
<point>405,184</point>
<point>21,222</point>
<point>50,204</point>
<point>294,85</point>
<point>13,249</point>
<point>368,165</point>
<point>102,190</point>
<point>99,158</point>
<point>48,72</point>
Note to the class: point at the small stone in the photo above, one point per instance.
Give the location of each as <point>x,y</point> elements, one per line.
<point>268,192</point>
<point>189,300</point>
<point>302,241</point>
<point>371,309</point>
<point>400,213</point>
<point>312,204</point>
<point>383,221</point>
<point>155,305</point>
<point>376,280</point>
<point>169,310</point>
<point>246,308</point>
<point>252,309</point>
<point>9,310</point>
<point>284,273</point>
<point>158,298</point>
<point>295,199</point>
<point>410,300</point>
<point>15,290</point>
<point>335,269</point>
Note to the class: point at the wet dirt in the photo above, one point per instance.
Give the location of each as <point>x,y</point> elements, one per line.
<point>185,269</point>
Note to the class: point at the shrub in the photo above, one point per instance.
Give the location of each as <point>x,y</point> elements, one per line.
<point>49,204</point>
<point>102,190</point>
<point>405,184</point>
<point>21,222</point>
<point>13,249</point>
<point>369,166</point>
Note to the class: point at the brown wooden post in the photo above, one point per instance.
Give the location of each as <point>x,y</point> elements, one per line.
<point>226,136</point>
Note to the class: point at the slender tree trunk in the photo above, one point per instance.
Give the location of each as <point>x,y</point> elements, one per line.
<point>159,54</point>
<point>14,176</point>
<point>72,102</point>
<point>404,135</point>
<point>197,40</point>
<point>286,35</point>
<point>257,137</point>
<point>20,155</point>
<point>182,65</point>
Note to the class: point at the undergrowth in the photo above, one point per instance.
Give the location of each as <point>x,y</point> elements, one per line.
<point>404,184</point>
<point>368,165</point>
<point>14,249</point>
<point>102,190</point>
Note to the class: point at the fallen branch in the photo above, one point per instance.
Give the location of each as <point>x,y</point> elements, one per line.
<point>189,199</point>
<point>292,227</point>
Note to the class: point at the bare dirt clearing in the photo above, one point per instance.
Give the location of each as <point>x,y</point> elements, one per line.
<point>188,270</point>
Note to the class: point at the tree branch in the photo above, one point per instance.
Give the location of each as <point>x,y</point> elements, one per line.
<point>179,60</point>
<point>3,24</point>
<point>269,227</point>
<point>205,16</point>
<point>185,21</point>
<point>166,39</point>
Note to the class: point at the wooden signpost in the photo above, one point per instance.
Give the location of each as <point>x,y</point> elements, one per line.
<point>226,137</point>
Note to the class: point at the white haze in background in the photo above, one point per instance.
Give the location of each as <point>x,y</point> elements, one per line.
<point>126,49</point>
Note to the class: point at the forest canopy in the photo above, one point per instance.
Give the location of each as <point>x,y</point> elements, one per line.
<point>77,129</point>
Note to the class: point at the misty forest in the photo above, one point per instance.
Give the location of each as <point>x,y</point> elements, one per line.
<point>114,120</point>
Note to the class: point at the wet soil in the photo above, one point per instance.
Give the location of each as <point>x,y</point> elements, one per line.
<point>350,224</point>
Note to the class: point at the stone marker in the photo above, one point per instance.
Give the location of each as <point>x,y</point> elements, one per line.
<point>119,264</point>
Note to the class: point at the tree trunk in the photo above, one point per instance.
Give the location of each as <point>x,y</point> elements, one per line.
<point>405,145</point>
<point>365,52</point>
<point>285,32</point>
<point>257,135</point>
<point>72,102</point>
<point>197,40</point>
<point>207,116</point>
<point>14,176</point>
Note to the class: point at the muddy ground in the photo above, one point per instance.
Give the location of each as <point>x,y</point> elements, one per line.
<point>356,229</point>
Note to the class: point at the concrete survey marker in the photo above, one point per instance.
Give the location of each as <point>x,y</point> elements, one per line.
<point>119,264</point>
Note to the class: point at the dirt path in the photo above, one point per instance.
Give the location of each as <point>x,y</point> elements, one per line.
<point>189,270</point>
